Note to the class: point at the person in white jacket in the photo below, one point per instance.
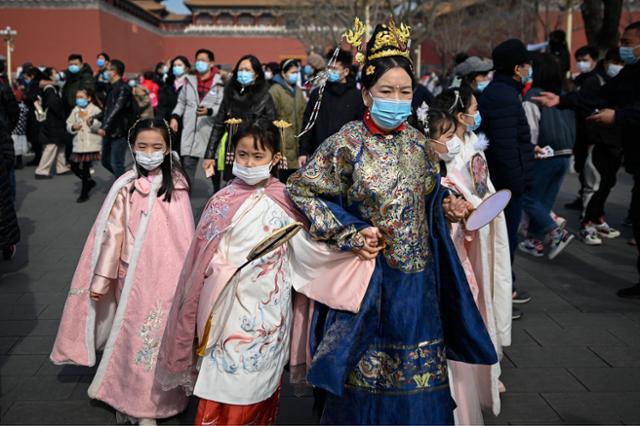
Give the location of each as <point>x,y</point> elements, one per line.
<point>84,124</point>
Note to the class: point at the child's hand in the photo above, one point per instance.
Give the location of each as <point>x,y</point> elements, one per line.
<point>76,126</point>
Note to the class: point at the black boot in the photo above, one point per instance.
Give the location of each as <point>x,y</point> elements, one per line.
<point>84,192</point>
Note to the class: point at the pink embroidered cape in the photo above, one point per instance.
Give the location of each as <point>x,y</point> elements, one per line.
<point>341,285</point>
<point>134,255</point>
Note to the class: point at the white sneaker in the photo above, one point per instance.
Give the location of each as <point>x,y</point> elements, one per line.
<point>589,235</point>
<point>605,231</point>
<point>559,243</point>
<point>559,220</point>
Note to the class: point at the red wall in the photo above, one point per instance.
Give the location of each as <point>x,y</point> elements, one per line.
<point>48,36</point>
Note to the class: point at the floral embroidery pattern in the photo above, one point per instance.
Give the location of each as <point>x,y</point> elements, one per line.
<point>214,212</point>
<point>401,369</point>
<point>383,181</point>
<point>148,355</point>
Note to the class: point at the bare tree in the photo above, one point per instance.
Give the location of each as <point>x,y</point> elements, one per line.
<point>601,22</point>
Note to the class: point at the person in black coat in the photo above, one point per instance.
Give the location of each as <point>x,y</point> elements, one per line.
<point>341,103</point>
<point>246,97</point>
<point>9,230</point>
<point>116,120</point>
<point>53,130</point>
<point>168,96</point>
<point>510,152</point>
<point>616,104</point>
<point>31,77</point>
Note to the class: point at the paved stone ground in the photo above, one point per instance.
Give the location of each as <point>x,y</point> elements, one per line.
<point>575,357</point>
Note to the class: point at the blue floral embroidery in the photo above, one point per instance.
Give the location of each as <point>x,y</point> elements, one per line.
<point>148,355</point>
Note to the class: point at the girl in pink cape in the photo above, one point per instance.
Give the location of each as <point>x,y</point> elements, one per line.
<point>484,253</point>
<point>123,287</point>
<point>230,336</point>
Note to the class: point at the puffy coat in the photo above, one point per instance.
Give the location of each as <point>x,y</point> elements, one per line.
<point>290,105</point>
<point>53,129</point>
<point>197,129</point>
<point>86,139</point>
<point>510,153</point>
<point>341,103</point>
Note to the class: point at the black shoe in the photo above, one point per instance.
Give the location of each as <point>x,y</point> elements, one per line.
<point>92,184</point>
<point>574,205</point>
<point>630,292</point>
<point>521,297</point>
<point>516,314</point>
<point>41,177</point>
<point>82,198</point>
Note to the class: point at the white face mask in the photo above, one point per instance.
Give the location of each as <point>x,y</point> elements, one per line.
<point>584,66</point>
<point>454,146</point>
<point>149,161</point>
<point>252,175</point>
<point>613,70</point>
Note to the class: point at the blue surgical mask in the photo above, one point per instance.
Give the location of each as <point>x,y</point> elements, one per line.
<point>105,75</point>
<point>73,69</point>
<point>482,85</point>
<point>477,120</point>
<point>100,62</point>
<point>245,77</point>
<point>529,77</point>
<point>178,70</point>
<point>627,55</point>
<point>202,67</point>
<point>292,78</point>
<point>389,114</point>
<point>333,76</point>
<point>82,102</point>
<point>308,69</point>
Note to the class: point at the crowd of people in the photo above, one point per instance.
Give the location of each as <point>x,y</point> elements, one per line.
<point>335,239</point>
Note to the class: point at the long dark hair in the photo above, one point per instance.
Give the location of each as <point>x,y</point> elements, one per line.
<point>547,73</point>
<point>256,65</point>
<point>160,126</point>
<point>170,77</point>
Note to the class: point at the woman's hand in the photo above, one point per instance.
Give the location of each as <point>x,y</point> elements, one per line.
<point>208,167</point>
<point>456,209</point>
<point>174,125</point>
<point>372,243</point>
<point>95,296</point>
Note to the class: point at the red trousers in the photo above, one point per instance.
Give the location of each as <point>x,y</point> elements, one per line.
<point>260,413</point>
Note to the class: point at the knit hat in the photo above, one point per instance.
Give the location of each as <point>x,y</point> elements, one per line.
<point>508,54</point>
<point>316,61</point>
<point>473,64</point>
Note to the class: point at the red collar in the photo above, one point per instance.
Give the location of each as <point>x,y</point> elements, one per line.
<point>375,130</point>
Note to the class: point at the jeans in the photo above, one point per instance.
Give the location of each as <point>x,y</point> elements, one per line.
<point>190,166</point>
<point>114,150</point>
<point>548,175</point>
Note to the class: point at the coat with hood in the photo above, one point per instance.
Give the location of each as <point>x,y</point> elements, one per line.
<point>290,106</point>
<point>197,129</point>
<point>341,103</point>
<point>247,103</point>
<point>83,79</point>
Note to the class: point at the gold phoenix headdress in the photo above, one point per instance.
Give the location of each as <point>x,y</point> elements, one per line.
<point>387,40</point>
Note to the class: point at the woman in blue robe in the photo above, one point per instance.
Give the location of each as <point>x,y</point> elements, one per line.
<point>373,188</point>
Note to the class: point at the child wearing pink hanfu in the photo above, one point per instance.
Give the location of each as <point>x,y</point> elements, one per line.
<point>124,285</point>
<point>237,368</point>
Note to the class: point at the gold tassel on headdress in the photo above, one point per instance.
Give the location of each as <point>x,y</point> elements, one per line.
<point>282,125</point>
<point>233,124</point>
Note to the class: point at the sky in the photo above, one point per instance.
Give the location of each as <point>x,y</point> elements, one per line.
<point>176,6</point>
